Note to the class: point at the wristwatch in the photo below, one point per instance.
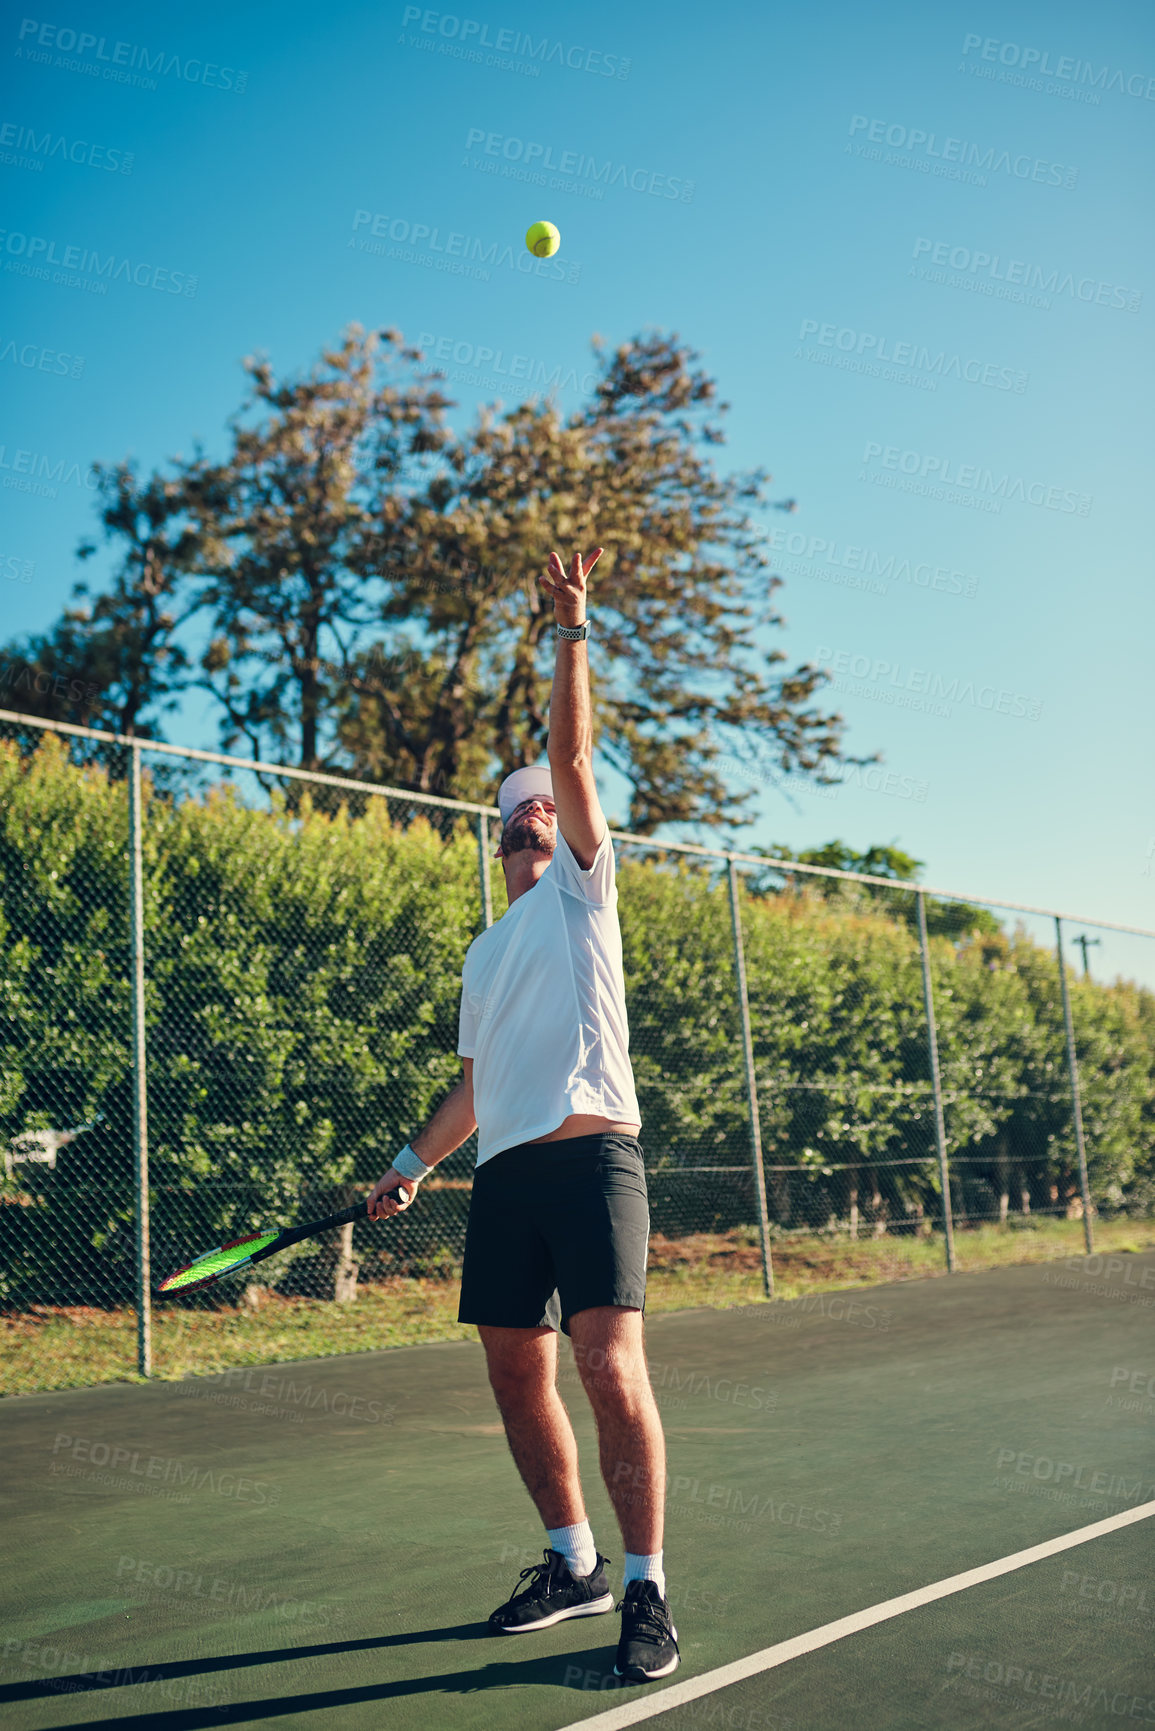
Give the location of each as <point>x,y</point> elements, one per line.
<point>574,633</point>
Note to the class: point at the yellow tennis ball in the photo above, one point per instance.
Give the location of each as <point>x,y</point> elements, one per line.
<point>542,239</point>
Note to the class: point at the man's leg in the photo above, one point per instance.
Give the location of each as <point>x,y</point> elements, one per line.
<point>523,1375</point>
<point>611,1361</point>
<point>570,1582</point>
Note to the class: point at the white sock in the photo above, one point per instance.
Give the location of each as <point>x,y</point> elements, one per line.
<point>640,1567</point>
<point>576,1545</point>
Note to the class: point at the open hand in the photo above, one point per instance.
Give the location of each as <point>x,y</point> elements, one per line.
<point>569,591</point>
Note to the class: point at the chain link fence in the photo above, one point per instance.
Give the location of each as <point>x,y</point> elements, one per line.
<point>815,1052</point>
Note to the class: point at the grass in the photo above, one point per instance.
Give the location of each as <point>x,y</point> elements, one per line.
<point>54,1348</point>
<point>717,1271</point>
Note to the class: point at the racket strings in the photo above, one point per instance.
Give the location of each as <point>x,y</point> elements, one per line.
<point>216,1262</point>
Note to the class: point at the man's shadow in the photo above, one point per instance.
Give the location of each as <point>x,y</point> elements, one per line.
<point>590,1669</point>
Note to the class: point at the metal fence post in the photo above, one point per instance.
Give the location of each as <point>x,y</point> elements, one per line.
<point>1076,1102</point>
<point>139,1079</point>
<point>936,1083</point>
<point>483,868</point>
<point>751,1088</point>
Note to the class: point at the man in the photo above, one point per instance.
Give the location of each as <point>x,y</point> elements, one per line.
<point>559,1220</point>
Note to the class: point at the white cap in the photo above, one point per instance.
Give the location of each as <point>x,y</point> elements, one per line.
<point>533,782</point>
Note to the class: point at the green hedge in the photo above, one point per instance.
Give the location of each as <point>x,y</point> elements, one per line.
<point>303,979</point>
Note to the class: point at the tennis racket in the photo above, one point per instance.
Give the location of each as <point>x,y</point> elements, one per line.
<point>244,1252</point>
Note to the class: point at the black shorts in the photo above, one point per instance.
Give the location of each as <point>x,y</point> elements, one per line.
<point>554,1228</point>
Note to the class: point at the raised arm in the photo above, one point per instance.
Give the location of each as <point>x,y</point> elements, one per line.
<point>579,814</point>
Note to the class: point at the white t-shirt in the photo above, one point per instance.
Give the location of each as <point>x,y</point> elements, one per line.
<point>543,1007</point>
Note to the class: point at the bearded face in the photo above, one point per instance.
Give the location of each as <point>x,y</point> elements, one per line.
<point>532,827</point>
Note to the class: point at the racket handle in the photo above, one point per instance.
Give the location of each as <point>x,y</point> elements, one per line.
<point>295,1234</point>
<point>359,1211</point>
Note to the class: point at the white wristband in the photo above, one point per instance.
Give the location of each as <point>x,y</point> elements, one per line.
<point>410,1165</point>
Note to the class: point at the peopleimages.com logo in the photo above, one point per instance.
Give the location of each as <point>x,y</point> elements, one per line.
<point>1037,61</point>
<point>576,164</point>
<point>937,363</point>
<point>84,1671</point>
<point>957,158</point>
<point>467,36</point>
<point>974,479</point>
<point>497,364</point>
<point>126,61</point>
<point>773,778</point>
<point>124,1463</point>
<point>42,473</point>
<point>16,569</point>
<point>1004,1685</point>
<point>925,682</point>
<point>1120,1596</point>
<point>817,554</point>
<point>35,358</point>
<point>24,147</point>
<point>991,268</point>
<point>460,254</point>
<point>21,678</point>
<point>1081,1475</point>
<point>32,254</point>
<point>218,1589</point>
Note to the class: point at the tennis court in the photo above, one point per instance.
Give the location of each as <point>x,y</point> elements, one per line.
<point>320,1544</point>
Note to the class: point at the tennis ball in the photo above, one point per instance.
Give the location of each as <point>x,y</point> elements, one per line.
<point>542,239</point>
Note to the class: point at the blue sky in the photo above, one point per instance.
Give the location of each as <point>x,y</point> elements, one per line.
<point>910,244</point>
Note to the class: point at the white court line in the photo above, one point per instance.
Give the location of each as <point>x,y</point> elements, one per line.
<point>649,1706</point>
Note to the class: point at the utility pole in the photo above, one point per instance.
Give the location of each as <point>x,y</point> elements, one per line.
<point>1083,941</point>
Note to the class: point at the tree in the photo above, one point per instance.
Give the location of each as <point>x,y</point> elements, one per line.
<point>366,582</point>
<point>295,526</point>
<point>118,664</point>
<point>943,918</point>
<point>681,588</point>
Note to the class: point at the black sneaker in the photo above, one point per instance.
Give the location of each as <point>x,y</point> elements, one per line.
<point>552,1595</point>
<point>648,1648</point>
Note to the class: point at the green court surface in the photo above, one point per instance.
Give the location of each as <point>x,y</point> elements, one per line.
<point>320,1544</point>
